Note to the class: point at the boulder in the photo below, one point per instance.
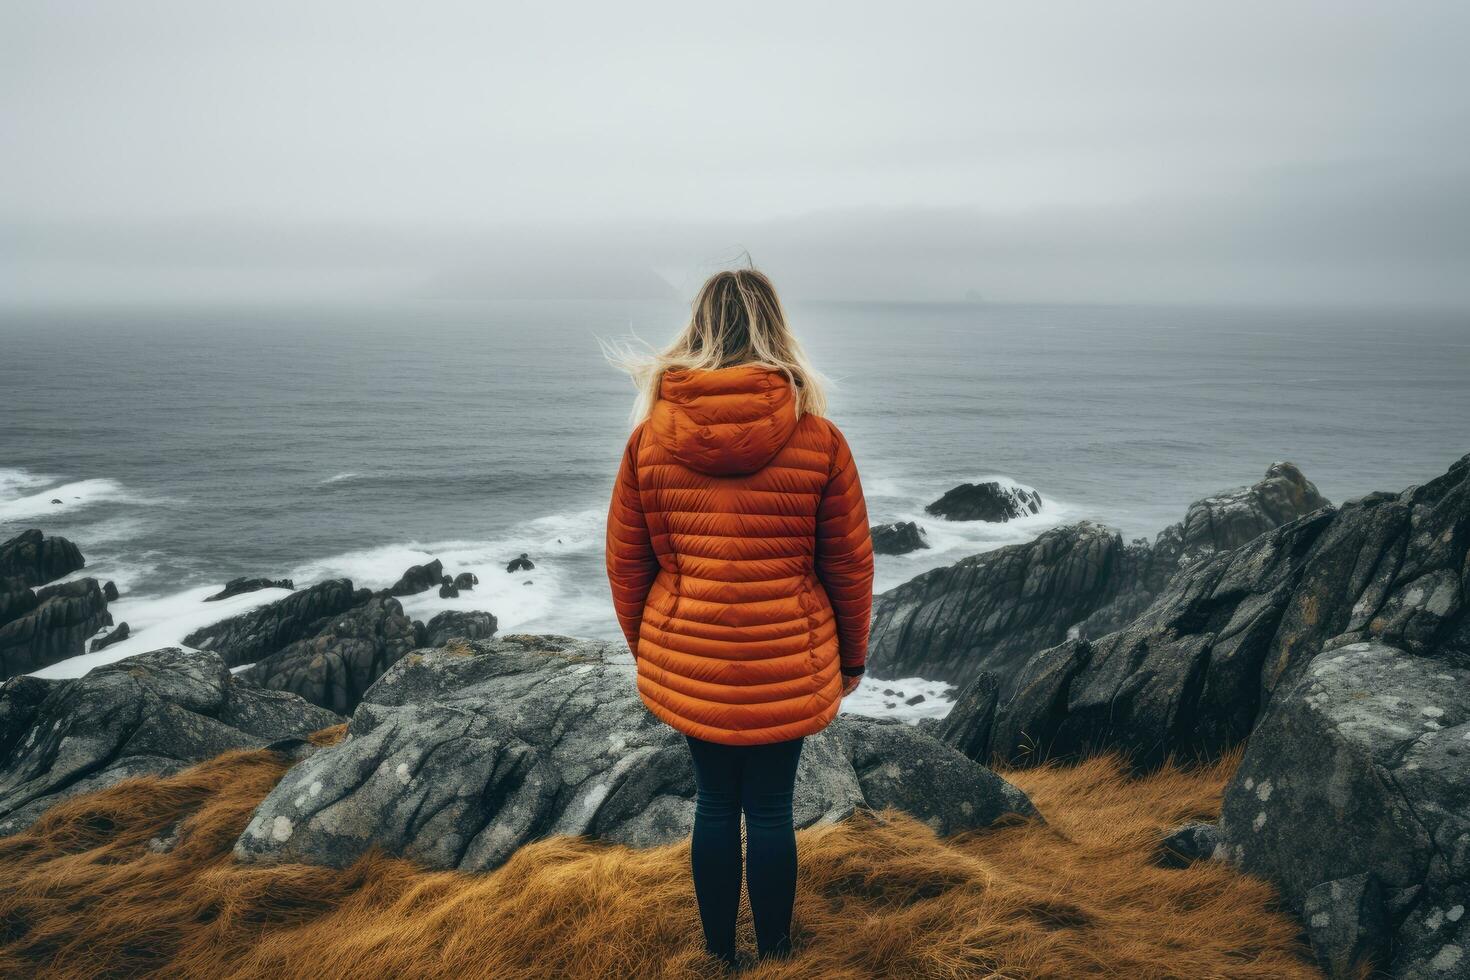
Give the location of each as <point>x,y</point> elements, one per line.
<point>456,625</point>
<point>1188,843</point>
<point>448,591</point>
<point>899,766</point>
<point>520,564</point>
<point>254,635</point>
<point>992,611</point>
<point>897,539</point>
<point>116,636</point>
<point>1192,673</point>
<point>418,578</point>
<point>239,586</point>
<point>109,591</point>
<point>992,501</point>
<point>350,650</point>
<point>465,581</point>
<point>56,627</point>
<point>30,559</point>
<point>456,757</point>
<point>14,605</point>
<point>1361,770</point>
<point>968,725</point>
<point>151,714</point>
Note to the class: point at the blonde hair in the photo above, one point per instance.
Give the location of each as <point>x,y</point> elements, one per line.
<point>736,320</point>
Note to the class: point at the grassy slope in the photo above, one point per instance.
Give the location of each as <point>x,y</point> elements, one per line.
<point>82,893</point>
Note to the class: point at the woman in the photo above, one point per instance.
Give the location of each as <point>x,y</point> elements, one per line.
<point>742,575</point>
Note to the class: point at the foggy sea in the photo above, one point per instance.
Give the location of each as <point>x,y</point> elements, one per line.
<point>187,448</point>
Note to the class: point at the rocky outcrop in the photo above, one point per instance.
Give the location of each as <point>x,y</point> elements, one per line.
<point>30,559</point>
<point>1354,799</point>
<point>254,635</point>
<point>457,757</point>
<point>1232,517</point>
<point>1192,673</point>
<point>333,667</point>
<point>239,586</point>
<point>419,578</point>
<point>456,625</point>
<point>56,627</point>
<point>521,563</point>
<point>122,632</point>
<point>897,539</point>
<point>993,502</point>
<point>991,612</point>
<point>465,581</point>
<point>150,714</point>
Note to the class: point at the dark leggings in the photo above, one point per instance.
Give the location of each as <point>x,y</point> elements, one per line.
<point>758,779</point>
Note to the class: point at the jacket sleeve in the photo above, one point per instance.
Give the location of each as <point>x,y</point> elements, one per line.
<point>845,556</point>
<point>631,562</point>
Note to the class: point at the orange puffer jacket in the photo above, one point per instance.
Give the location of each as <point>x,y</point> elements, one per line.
<point>739,557</point>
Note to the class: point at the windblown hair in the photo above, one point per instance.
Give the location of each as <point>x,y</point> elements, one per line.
<point>737,319</point>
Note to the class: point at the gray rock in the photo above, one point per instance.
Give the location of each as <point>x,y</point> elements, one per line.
<point>1362,768</point>
<point>150,714</point>
<point>14,605</point>
<point>349,652</point>
<point>985,502</point>
<point>456,625</point>
<point>897,539</point>
<point>109,591</point>
<point>30,559</point>
<point>55,628</point>
<point>970,721</point>
<point>465,581</point>
<point>1348,924</point>
<point>239,586</point>
<point>457,757</point>
<point>899,766</point>
<point>254,635</point>
<point>1188,843</point>
<point>990,612</point>
<point>122,632</point>
<point>1191,674</point>
<point>448,591</point>
<point>418,578</point>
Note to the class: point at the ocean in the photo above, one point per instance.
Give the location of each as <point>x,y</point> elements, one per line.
<point>189,447</point>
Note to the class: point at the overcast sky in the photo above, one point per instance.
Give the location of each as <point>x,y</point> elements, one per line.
<point>1135,151</point>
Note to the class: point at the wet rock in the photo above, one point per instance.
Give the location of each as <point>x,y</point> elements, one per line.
<point>116,636</point>
<point>418,578</point>
<point>520,564</point>
<point>448,591</point>
<point>109,591</point>
<point>14,605</point>
<point>255,635</point>
<point>456,625</point>
<point>1363,768</point>
<point>347,653</point>
<point>968,725</point>
<point>239,586</point>
<point>897,539</point>
<point>1188,843</point>
<point>146,715</point>
<point>465,581</point>
<point>30,559</point>
<point>56,627</point>
<point>916,699</point>
<point>457,757</point>
<point>991,502</point>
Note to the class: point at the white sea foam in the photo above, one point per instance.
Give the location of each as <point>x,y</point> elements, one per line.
<point>870,699</point>
<point>161,621</point>
<point>73,496</point>
<point>13,480</point>
<point>339,478</point>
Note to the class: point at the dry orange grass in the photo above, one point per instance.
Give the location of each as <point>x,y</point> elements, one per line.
<point>83,894</point>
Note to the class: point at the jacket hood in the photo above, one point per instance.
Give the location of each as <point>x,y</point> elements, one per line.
<point>727,422</point>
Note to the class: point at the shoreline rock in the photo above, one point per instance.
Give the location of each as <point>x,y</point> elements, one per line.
<point>252,636</point>
<point>897,539</point>
<point>991,502</point>
<point>239,586</point>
